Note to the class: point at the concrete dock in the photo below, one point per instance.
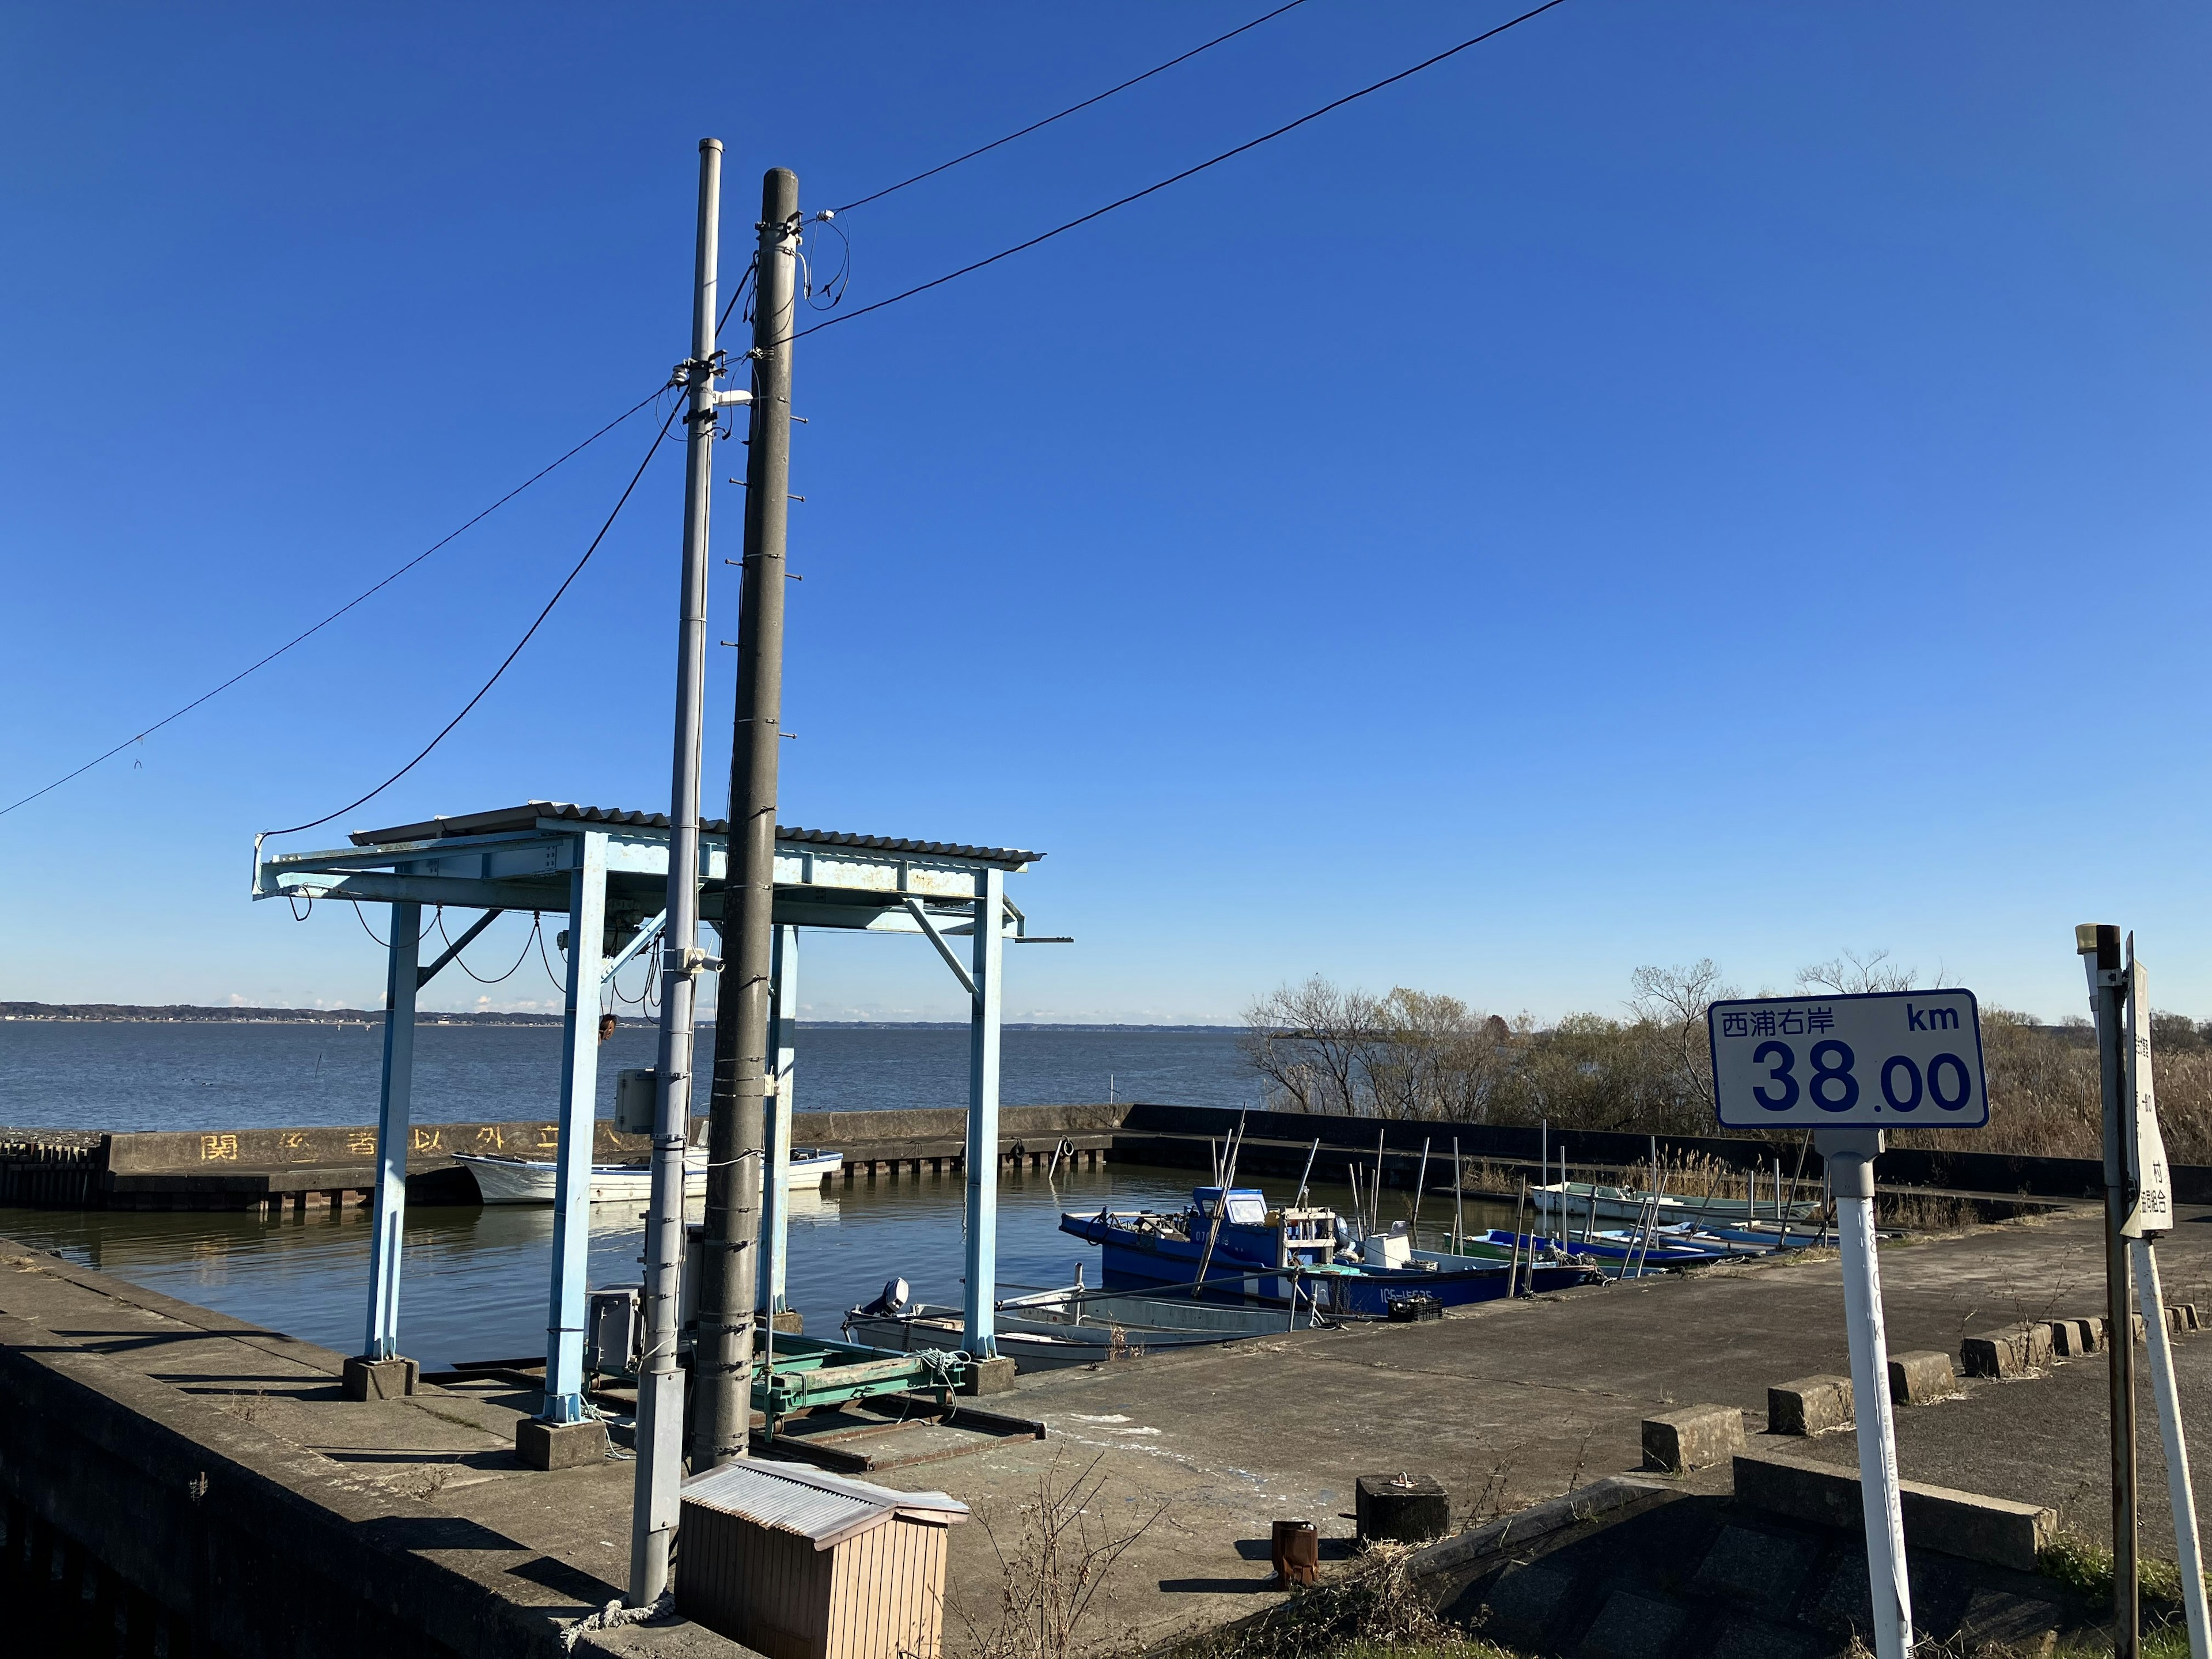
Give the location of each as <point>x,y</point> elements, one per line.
<point>213,1471</point>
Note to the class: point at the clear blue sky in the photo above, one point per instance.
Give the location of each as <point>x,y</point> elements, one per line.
<point>1693,480</point>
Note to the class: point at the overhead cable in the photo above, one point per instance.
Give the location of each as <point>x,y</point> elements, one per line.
<point>1176,178</point>
<point>652,449</point>
<point>309,634</point>
<point>1071,109</point>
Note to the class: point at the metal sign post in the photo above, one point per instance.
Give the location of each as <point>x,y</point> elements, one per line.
<point>2150,1214</point>
<point>1848,1068</point>
<point>2099,949</point>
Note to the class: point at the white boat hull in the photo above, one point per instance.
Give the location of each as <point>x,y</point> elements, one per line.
<point>531,1180</point>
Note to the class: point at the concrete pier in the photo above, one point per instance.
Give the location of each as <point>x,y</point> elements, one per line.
<point>214,1469</point>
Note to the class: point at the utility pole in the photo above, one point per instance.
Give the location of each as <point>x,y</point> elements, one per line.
<point>660,1385</point>
<point>721,1355</point>
<point>2100,947</point>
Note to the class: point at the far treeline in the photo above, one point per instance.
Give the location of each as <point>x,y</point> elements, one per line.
<point>1320,1048</point>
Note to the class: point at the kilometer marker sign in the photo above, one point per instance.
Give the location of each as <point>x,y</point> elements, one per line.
<point>1887,1060</point>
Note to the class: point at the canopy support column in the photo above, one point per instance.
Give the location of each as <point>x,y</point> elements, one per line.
<point>579,1081</point>
<point>981,1340</point>
<point>394,1113</point>
<point>775,1185</point>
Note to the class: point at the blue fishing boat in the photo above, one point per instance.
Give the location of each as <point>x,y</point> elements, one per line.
<point>1645,1251</point>
<point>1235,1245</point>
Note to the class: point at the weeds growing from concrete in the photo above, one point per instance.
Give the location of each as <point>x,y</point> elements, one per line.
<point>1052,1571</point>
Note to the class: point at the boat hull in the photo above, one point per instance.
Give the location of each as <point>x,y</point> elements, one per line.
<point>533,1181</point>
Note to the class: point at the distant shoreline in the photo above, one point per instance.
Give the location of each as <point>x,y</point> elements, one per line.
<point>95,1013</point>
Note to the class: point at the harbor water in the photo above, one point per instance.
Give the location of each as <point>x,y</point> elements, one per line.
<point>476,1280</point>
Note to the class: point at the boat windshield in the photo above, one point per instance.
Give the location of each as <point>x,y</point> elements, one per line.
<point>1246,1204</point>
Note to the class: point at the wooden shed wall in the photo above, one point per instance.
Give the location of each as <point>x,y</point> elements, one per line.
<point>888,1596</point>
<point>766,1589</point>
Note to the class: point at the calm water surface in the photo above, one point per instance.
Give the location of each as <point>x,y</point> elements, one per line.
<point>476,1280</point>
<point>133,1075</point>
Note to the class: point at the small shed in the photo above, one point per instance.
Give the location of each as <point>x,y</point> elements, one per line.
<point>799,1564</point>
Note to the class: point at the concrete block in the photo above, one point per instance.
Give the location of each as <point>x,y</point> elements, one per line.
<point>1764,1569</point>
<point>1695,1437</point>
<point>1965,1524</point>
<point>988,1376</point>
<point>379,1379</point>
<point>1754,1638</point>
<point>1523,1604</point>
<point>2073,1338</point>
<point>789,1323</point>
<point>1916,1379</point>
<point>2016,1623</point>
<point>1632,1627</point>
<point>2015,1351</point>
<point>1811,1405</point>
<point>560,1445</point>
<point>1414,1512</point>
<point>2180,1318</point>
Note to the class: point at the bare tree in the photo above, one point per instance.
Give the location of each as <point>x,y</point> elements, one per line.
<point>1673,1002</point>
<point>1312,1041</point>
<point>1853,975</point>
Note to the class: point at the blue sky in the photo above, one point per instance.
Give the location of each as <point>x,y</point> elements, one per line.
<point>1701,480</point>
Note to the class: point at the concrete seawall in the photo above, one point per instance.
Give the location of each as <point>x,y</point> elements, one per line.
<point>247,1169</point>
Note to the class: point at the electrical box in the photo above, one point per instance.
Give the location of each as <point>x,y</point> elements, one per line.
<point>613,1331</point>
<point>636,1093</point>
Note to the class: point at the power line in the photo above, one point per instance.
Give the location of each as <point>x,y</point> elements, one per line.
<point>370,593</point>
<point>652,449</point>
<point>1176,178</point>
<point>1071,109</point>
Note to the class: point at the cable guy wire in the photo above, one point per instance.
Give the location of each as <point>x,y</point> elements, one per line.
<point>1189,171</point>
<point>652,449</point>
<point>302,638</point>
<point>1071,109</point>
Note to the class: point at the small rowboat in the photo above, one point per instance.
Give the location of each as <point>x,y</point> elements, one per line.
<point>536,1181</point>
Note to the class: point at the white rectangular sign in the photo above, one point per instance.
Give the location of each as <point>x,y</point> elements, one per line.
<point>1893,1060</point>
<point>2152,1212</point>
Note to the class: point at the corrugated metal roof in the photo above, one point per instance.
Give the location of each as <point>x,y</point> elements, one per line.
<point>506,818</point>
<point>825,1508</point>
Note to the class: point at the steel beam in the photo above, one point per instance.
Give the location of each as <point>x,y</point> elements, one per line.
<point>580,1077</point>
<point>981,1341</point>
<point>394,1111</point>
<point>783,1052</point>
<point>453,891</point>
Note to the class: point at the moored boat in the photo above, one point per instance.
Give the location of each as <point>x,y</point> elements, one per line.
<point>1580,1202</point>
<point>537,1181</point>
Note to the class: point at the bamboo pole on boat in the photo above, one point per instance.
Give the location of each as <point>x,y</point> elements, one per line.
<point>1375,1197</point>
<point>1520,1204</point>
<point>1220,1205</point>
<point>1789,1209</point>
<point>1306,1178</point>
<point>1420,1189</point>
<point>1459,1202</point>
<point>1358,1214</point>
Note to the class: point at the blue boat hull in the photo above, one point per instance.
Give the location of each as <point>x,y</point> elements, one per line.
<point>1132,1259</point>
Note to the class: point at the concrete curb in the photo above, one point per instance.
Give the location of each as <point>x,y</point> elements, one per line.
<point>1994,1530</point>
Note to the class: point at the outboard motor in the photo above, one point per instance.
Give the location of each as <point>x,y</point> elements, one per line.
<point>1343,1234</point>
<point>891,1304</point>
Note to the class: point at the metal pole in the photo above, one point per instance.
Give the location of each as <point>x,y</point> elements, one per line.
<point>980,1338</point>
<point>722,1353</point>
<point>392,1114</point>
<point>580,1077</point>
<point>2188,1552</point>
<point>1849,1154</point>
<point>2100,948</point>
<point>660,1384</point>
<point>775,1190</point>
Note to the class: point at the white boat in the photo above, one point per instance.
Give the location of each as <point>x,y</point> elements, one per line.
<point>1056,1329</point>
<point>1582,1202</point>
<point>535,1181</point>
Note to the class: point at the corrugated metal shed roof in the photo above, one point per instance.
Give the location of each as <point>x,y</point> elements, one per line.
<point>825,1508</point>
<point>506,818</point>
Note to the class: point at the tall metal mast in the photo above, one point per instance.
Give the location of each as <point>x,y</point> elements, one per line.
<point>660,1385</point>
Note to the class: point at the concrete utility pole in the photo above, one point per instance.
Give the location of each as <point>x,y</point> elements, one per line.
<point>2100,946</point>
<point>660,1384</point>
<point>721,1355</point>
